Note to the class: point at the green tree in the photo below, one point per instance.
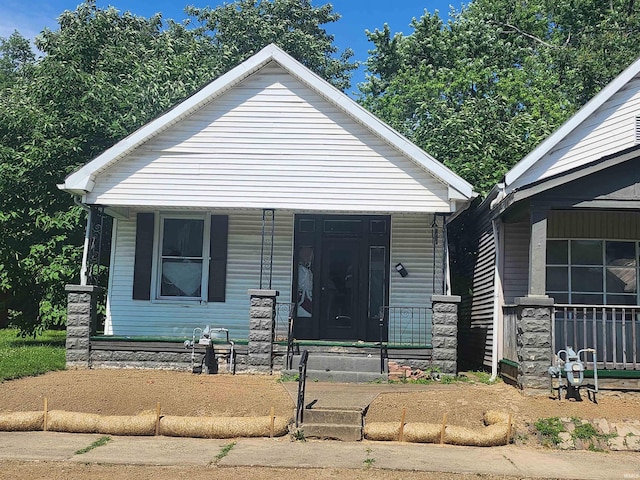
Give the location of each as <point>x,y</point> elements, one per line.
<point>483,90</point>
<point>15,56</point>
<point>103,74</point>
<point>243,27</point>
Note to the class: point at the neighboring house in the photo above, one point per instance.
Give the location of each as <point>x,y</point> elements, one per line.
<point>550,258</point>
<point>270,178</point>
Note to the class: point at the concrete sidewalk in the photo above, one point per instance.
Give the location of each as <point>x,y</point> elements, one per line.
<point>508,460</point>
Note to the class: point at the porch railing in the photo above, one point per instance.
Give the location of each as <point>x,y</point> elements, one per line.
<point>613,330</point>
<point>283,330</point>
<point>408,325</point>
<point>509,333</point>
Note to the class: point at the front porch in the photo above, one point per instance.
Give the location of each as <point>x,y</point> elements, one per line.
<point>534,333</point>
<point>271,345</point>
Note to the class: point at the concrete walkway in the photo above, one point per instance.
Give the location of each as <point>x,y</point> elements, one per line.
<point>352,396</point>
<point>508,460</point>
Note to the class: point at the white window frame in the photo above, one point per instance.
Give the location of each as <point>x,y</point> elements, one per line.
<point>156,272</point>
<point>603,266</point>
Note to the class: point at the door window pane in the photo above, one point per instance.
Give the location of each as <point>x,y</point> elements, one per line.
<point>377,277</point>
<point>586,279</point>
<point>621,280</point>
<point>182,237</point>
<point>557,252</point>
<point>621,299</point>
<point>558,279</point>
<point>304,307</point>
<point>621,254</point>
<point>586,299</point>
<point>181,261</point>
<point>586,252</point>
<point>181,278</point>
<point>342,226</point>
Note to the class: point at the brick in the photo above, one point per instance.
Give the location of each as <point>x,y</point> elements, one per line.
<point>445,307</point>
<point>259,347</point>
<point>78,320</point>
<point>444,354</point>
<point>260,312</point>
<point>259,360</point>
<point>444,331</point>
<point>79,308</point>
<point>259,336</point>
<point>262,302</point>
<point>77,332</point>
<point>260,324</point>
<point>445,319</point>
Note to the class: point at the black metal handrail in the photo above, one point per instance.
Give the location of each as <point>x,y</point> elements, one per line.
<point>302,382</point>
<point>382,348</point>
<point>290,341</point>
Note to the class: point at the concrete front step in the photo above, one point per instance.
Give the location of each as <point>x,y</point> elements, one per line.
<point>341,363</point>
<point>333,417</point>
<point>340,376</point>
<point>346,433</point>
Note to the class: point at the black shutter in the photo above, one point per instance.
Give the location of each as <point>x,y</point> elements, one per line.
<point>218,254</point>
<point>144,257</point>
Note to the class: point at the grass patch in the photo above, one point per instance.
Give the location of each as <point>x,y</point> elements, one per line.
<point>285,377</point>
<point>98,443</point>
<point>224,451</point>
<point>550,429</point>
<point>369,461</point>
<point>25,357</point>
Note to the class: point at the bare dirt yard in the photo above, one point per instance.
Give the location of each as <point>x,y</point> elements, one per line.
<point>130,392</point>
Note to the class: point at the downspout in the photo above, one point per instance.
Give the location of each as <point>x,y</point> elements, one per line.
<point>87,235</point>
<point>497,284</point>
<point>496,300</point>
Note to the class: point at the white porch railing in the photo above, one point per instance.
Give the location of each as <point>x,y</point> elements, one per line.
<point>613,330</point>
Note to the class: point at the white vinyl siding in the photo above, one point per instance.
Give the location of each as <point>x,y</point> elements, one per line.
<point>611,129</point>
<point>271,142</point>
<point>177,319</point>
<point>515,277</point>
<point>412,245</point>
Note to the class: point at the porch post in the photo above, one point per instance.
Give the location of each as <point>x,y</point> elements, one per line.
<point>261,330</point>
<point>533,342</point>
<point>444,333</point>
<point>538,252</point>
<point>81,323</point>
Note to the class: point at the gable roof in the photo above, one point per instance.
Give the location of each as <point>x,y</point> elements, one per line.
<point>82,180</point>
<point>521,174</point>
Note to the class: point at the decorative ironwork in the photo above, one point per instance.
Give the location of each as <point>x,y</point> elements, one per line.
<point>99,227</point>
<point>407,325</point>
<point>266,249</point>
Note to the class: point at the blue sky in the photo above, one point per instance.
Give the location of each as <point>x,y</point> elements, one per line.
<point>29,17</point>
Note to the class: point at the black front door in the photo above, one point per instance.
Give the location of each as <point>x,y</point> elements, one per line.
<point>339,292</point>
<point>341,276</point>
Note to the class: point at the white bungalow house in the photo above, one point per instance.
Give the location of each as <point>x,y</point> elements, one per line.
<point>270,178</point>
<point>558,250</point>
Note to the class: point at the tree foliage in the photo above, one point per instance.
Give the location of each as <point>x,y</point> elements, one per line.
<point>482,90</point>
<point>103,74</point>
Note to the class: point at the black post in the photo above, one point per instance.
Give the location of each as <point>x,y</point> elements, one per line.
<point>302,380</point>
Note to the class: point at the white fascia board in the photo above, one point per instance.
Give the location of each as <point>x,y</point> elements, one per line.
<point>513,175</point>
<point>366,118</point>
<point>81,179</point>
